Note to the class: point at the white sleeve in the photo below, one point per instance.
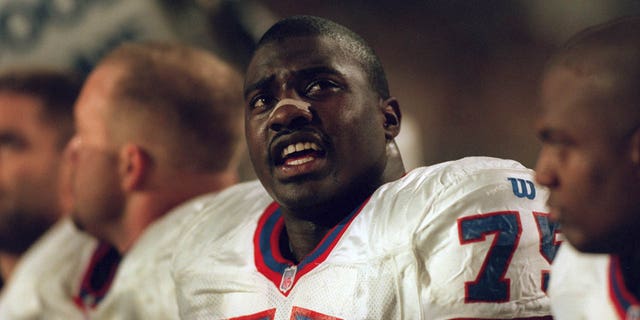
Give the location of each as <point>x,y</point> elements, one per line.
<point>485,246</point>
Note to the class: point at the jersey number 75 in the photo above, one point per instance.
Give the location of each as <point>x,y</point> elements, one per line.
<point>491,285</point>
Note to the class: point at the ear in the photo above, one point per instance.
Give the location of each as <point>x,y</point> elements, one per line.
<point>392,117</point>
<point>134,167</point>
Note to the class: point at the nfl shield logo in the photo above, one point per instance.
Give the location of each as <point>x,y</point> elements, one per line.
<point>288,276</point>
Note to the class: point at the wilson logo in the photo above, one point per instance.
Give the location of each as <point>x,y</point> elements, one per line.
<point>523,188</point>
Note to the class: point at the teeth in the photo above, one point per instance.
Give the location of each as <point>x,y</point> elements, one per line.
<point>300,146</point>
<point>300,161</point>
<point>289,150</point>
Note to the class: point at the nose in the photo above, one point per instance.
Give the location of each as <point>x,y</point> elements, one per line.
<point>546,171</point>
<point>290,113</point>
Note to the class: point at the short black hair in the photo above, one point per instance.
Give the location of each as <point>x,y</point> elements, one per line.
<point>305,26</point>
<point>611,50</point>
<point>622,34</point>
<point>56,89</point>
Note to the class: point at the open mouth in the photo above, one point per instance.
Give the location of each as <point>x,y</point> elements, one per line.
<point>299,153</point>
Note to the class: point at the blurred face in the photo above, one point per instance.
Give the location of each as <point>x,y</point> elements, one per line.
<point>30,158</point>
<point>314,126</point>
<point>585,161</point>
<point>97,196</point>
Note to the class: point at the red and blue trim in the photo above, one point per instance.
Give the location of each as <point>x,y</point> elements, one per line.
<point>264,315</point>
<point>621,297</point>
<point>98,277</point>
<point>298,313</point>
<point>270,261</point>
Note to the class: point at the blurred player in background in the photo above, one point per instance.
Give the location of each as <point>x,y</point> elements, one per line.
<point>36,122</point>
<point>158,131</point>
<point>590,161</point>
<point>351,235</point>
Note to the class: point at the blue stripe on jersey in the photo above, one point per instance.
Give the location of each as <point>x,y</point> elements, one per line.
<point>268,241</point>
<point>622,298</point>
<point>265,243</point>
<point>298,313</point>
<point>98,276</point>
<point>268,231</point>
<point>330,239</point>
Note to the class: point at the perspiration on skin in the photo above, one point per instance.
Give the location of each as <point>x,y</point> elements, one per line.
<point>347,117</point>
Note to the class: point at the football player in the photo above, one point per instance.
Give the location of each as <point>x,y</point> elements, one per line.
<point>342,231</point>
<point>158,133</point>
<point>590,161</point>
<point>36,122</point>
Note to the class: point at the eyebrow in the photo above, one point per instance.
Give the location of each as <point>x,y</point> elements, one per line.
<point>319,70</point>
<point>544,134</point>
<point>9,136</point>
<point>547,134</point>
<point>258,84</point>
<point>307,72</point>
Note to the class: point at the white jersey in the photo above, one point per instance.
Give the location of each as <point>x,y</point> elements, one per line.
<point>463,239</point>
<point>62,247</point>
<point>142,287</point>
<point>589,286</point>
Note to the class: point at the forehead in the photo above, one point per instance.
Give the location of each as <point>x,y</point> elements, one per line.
<point>298,53</point>
<point>19,109</point>
<point>576,98</point>
<point>97,93</point>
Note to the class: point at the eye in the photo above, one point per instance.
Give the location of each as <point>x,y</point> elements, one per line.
<point>556,138</point>
<point>321,87</point>
<point>558,148</point>
<point>261,102</point>
<point>12,141</point>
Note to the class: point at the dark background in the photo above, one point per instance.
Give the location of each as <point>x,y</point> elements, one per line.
<point>466,73</point>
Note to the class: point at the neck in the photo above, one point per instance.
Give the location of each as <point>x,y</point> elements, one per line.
<point>304,235</point>
<point>394,169</point>
<point>300,238</point>
<point>144,207</point>
<point>8,262</point>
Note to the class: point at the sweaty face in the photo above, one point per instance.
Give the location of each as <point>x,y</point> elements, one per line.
<point>30,158</point>
<point>313,124</point>
<point>585,162</point>
<point>97,197</point>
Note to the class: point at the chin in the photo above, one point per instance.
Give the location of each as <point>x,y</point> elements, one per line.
<point>299,201</point>
<point>77,223</point>
<point>589,244</point>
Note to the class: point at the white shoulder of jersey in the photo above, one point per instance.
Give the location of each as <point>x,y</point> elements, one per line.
<point>226,211</point>
<point>158,240</point>
<point>61,246</point>
<point>421,198</point>
<point>143,287</point>
<point>458,214</point>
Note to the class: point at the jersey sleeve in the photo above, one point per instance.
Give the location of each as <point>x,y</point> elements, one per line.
<point>485,245</point>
